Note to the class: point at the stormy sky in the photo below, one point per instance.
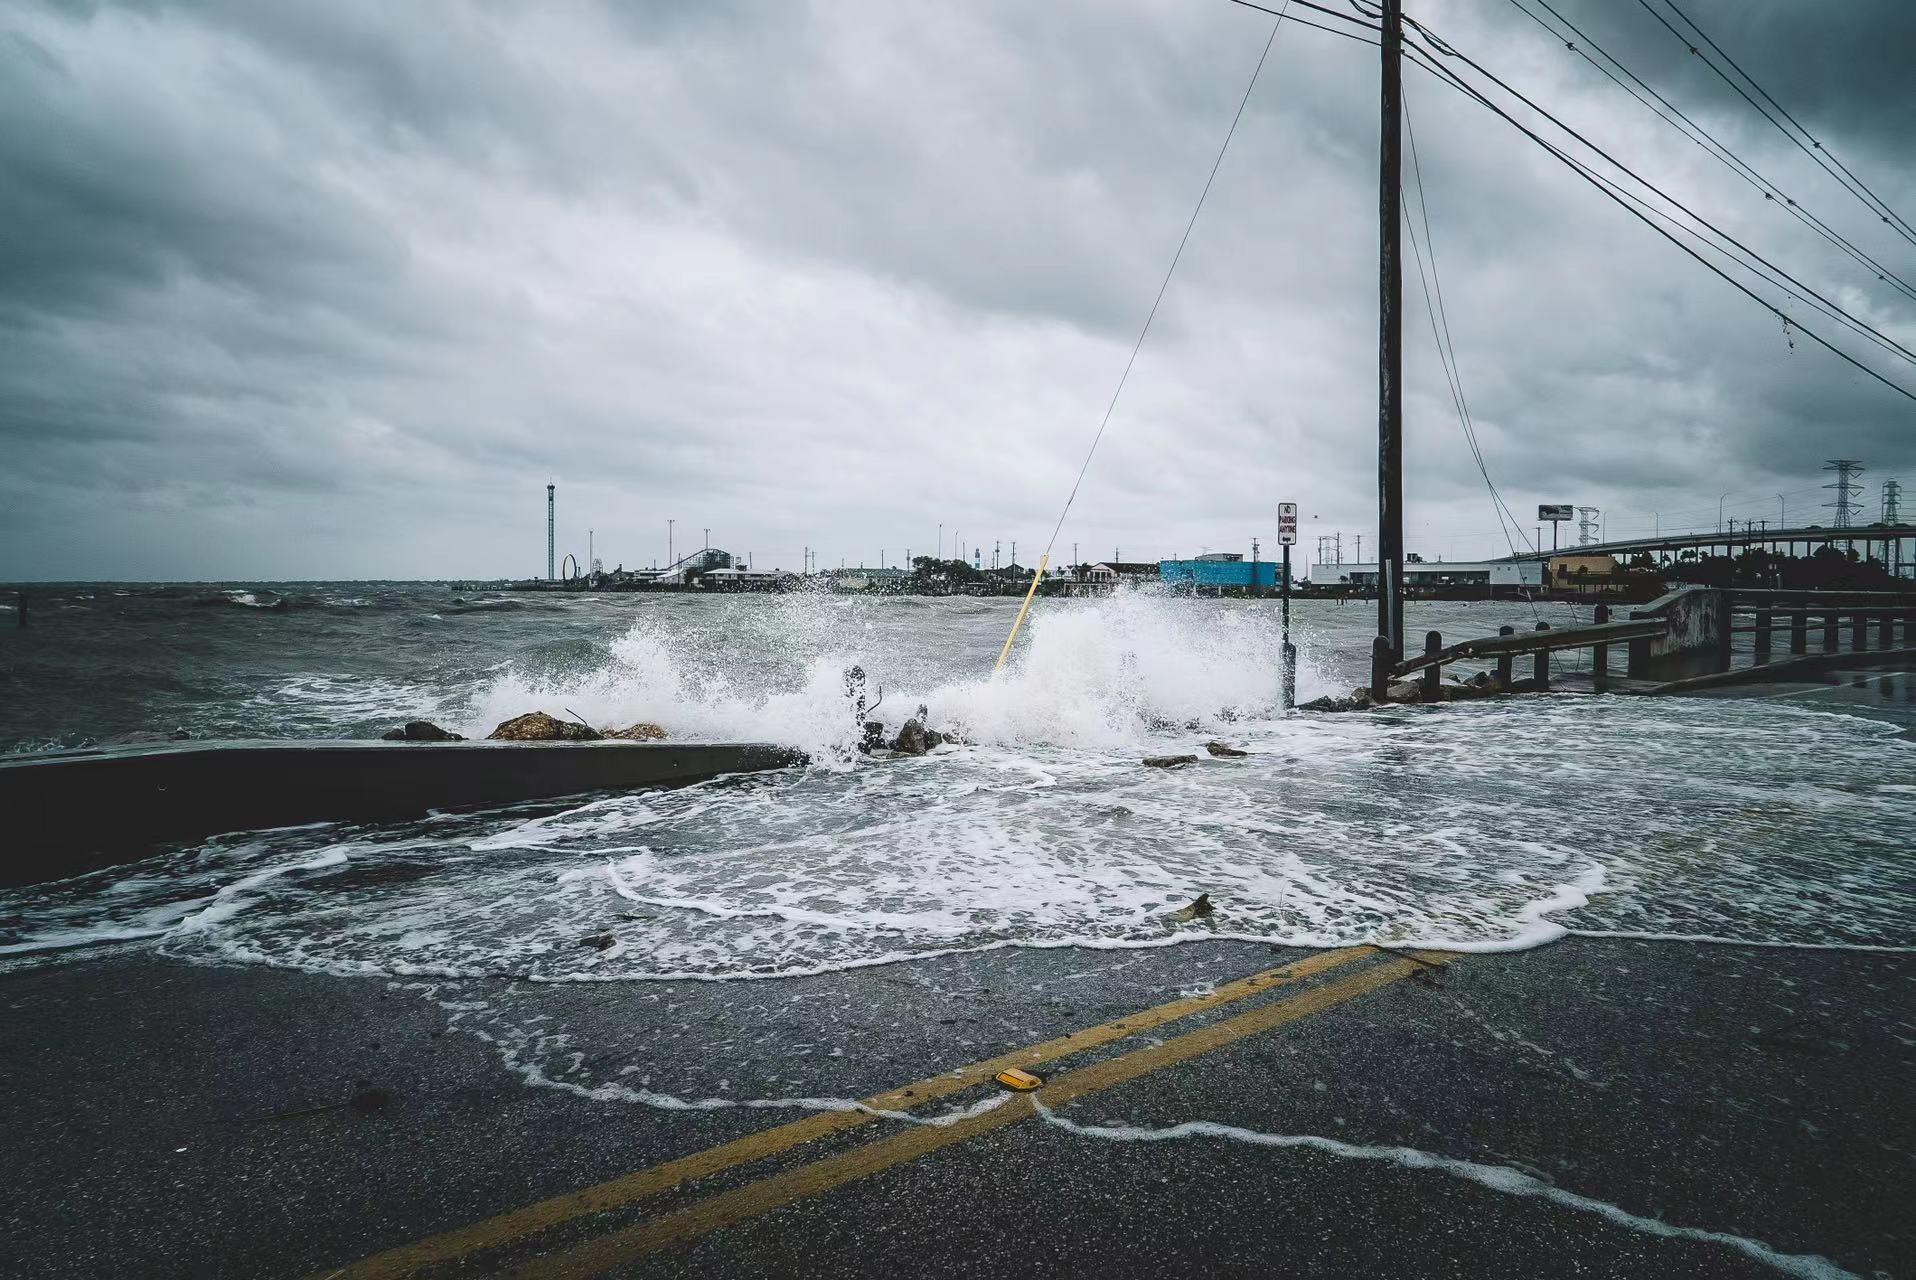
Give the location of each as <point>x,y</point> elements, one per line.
<point>332,290</point>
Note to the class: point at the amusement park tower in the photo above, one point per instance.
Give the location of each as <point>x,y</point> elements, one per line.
<point>549,566</point>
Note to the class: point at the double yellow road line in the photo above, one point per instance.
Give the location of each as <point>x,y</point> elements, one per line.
<point>754,1198</point>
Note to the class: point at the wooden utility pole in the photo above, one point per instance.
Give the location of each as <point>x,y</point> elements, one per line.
<point>1390,343</point>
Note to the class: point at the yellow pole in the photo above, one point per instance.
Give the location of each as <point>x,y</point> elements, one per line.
<point>1043,560</point>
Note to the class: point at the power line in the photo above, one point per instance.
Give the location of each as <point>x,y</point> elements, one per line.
<point>1305,22</point>
<point>1815,150</point>
<point>1759,265</point>
<point>1185,239</point>
<point>1668,111</point>
<point>1446,347</point>
<point>1609,189</point>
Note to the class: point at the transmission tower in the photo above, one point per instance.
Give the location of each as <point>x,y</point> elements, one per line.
<point>1892,490</point>
<point>1587,525</point>
<point>1845,506</point>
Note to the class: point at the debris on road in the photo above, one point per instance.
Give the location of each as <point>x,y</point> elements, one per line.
<point>1201,906</point>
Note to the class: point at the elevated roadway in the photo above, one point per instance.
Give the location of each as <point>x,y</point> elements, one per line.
<point>1806,537</point>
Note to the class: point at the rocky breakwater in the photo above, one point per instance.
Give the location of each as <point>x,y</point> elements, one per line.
<point>533,726</point>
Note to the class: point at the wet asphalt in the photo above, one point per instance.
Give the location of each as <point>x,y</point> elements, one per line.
<point>168,1119</point>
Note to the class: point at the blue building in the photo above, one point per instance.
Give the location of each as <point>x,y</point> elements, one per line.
<point>1218,571</point>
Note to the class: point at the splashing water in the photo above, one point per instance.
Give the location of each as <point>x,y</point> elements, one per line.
<point>1471,826</point>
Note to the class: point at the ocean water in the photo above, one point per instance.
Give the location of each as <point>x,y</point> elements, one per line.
<point>1480,826</point>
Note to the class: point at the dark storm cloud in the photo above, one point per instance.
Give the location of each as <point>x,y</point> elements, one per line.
<point>332,289</point>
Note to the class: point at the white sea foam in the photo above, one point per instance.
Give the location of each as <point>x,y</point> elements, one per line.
<point>1098,674</point>
<point>1474,827</point>
<point>1495,1177</point>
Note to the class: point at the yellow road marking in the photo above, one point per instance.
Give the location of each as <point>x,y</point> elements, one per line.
<point>546,1214</point>
<point>619,1247</point>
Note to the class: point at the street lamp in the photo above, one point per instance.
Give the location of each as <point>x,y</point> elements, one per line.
<point>1719,513</point>
<point>670,558</point>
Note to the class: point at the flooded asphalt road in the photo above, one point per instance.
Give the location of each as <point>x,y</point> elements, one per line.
<point>1596,1106</point>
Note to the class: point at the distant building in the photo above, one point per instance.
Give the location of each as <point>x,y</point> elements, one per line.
<point>1112,572</point>
<point>1223,569</point>
<point>1510,575</point>
<point>1221,555</point>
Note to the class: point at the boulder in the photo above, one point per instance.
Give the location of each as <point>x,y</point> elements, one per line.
<point>1168,762</point>
<point>142,737</point>
<point>1405,691</point>
<point>598,941</point>
<point>537,726</point>
<point>1224,750</point>
<point>872,736</point>
<point>420,731</point>
<point>913,739</point>
<point>640,732</point>
<point>1358,701</point>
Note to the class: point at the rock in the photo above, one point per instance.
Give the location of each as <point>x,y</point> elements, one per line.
<point>144,737</point>
<point>1225,750</point>
<point>1168,762</point>
<point>640,732</point>
<point>1200,907</point>
<point>598,941</point>
<point>1358,701</point>
<point>537,726</point>
<point>420,731</point>
<point>1405,691</point>
<point>873,736</point>
<point>934,739</point>
<point>912,739</point>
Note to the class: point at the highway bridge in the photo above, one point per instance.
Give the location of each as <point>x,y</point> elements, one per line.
<point>1878,541</point>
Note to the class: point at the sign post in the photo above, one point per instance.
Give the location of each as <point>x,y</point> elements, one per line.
<point>1287,537</point>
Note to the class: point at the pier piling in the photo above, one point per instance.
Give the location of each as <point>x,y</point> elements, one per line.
<point>1764,621</point>
<point>1382,658</point>
<point>1543,663</point>
<point>1800,626</point>
<point>1433,674</point>
<point>1600,653</point>
<point>1831,631</point>
<point>1504,660</point>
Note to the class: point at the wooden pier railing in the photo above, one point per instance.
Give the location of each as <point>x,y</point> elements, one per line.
<point>1687,636</point>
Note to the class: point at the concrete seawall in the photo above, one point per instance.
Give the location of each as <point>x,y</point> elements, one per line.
<point>76,811</point>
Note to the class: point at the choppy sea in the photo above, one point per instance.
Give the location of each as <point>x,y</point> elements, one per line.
<point>1487,825</point>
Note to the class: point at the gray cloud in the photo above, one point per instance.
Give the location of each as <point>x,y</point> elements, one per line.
<point>332,290</point>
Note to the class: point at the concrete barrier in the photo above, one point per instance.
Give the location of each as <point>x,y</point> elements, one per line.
<point>1696,639</point>
<point>75,811</point>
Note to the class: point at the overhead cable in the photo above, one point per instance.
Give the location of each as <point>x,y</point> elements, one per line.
<point>1807,142</point>
<point>1581,44</point>
<point>1428,61</point>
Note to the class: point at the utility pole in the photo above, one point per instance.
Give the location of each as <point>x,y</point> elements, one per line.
<point>1014,552</point>
<point>1390,340</point>
<point>1360,558</point>
<point>671,558</point>
<point>941,540</point>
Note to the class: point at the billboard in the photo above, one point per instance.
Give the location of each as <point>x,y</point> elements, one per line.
<point>1556,511</point>
<point>1287,523</point>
